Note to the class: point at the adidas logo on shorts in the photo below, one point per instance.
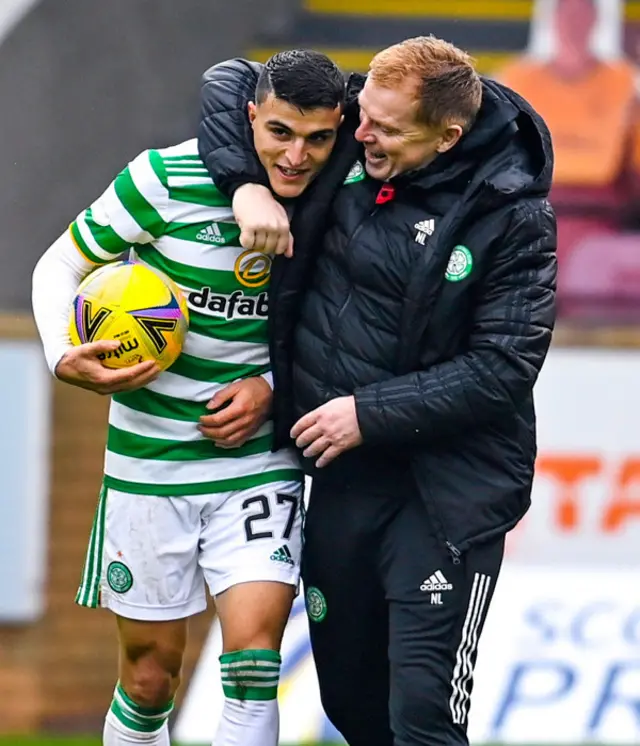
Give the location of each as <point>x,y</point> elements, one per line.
<point>283,555</point>
<point>436,582</point>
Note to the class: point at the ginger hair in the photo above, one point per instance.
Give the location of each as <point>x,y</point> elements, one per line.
<point>447,86</point>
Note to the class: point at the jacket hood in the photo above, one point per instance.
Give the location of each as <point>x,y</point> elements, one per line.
<point>517,137</point>
<point>508,148</point>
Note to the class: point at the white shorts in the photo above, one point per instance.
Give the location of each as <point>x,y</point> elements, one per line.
<point>149,557</point>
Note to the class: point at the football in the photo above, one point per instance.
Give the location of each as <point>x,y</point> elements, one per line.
<point>135,304</point>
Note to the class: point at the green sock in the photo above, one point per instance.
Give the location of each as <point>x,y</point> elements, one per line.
<point>250,714</point>
<point>250,674</point>
<point>137,718</point>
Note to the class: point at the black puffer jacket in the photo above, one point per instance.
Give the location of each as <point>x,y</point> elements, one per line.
<point>434,308</point>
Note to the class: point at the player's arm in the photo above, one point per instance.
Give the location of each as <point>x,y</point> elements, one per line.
<point>225,137</point>
<point>124,215</point>
<point>55,280</point>
<point>225,143</point>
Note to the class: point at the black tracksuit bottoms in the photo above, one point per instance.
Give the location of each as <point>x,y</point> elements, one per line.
<point>394,618</point>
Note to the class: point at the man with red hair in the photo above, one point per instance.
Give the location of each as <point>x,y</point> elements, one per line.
<point>406,334</point>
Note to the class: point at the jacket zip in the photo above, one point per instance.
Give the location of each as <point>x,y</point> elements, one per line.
<point>343,307</point>
<point>455,553</point>
<point>431,506</point>
<point>434,513</point>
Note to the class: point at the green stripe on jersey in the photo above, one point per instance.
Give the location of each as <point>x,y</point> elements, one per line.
<point>126,444</point>
<point>184,164</point>
<point>214,371</point>
<point>190,172</point>
<point>254,330</point>
<point>169,159</point>
<point>199,194</point>
<point>161,405</point>
<point>105,236</point>
<point>205,488</point>
<point>82,245</point>
<point>157,164</point>
<point>145,215</point>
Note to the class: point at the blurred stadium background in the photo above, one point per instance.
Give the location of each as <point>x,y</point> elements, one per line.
<point>85,85</point>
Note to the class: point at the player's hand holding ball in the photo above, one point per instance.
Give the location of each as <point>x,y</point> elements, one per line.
<point>128,322</point>
<point>82,366</point>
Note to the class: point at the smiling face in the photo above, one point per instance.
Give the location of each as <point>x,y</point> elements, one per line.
<point>394,137</point>
<point>292,144</point>
<point>420,96</point>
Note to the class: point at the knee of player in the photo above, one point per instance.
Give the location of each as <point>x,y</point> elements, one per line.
<point>153,674</point>
<point>150,685</point>
<point>258,640</point>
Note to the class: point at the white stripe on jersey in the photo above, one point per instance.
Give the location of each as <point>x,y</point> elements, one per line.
<point>179,165</point>
<point>183,181</point>
<point>152,426</point>
<point>200,255</point>
<point>186,148</point>
<point>188,212</point>
<point>171,384</point>
<point>189,472</point>
<point>243,353</point>
<point>121,220</point>
<point>148,183</point>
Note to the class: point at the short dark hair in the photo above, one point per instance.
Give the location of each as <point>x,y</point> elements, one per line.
<point>303,78</point>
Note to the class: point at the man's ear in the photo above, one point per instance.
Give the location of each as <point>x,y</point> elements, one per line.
<point>253,111</point>
<point>449,138</point>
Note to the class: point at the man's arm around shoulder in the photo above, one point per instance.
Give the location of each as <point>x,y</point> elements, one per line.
<point>225,137</point>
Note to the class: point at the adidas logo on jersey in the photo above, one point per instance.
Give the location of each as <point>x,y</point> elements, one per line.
<point>436,582</point>
<point>283,555</point>
<point>211,234</point>
<point>425,228</point>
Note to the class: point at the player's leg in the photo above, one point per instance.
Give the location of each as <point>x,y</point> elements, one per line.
<point>142,565</point>
<point>149,674</point>
<point>346,606</point>
<point>252,617</point>
<point>436,613</point>
<point>250,553</point>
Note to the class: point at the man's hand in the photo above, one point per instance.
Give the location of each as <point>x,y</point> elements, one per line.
<point>328,430</point>
<point>243,408</point>
<point>264,224</point>
<point>80,366</point>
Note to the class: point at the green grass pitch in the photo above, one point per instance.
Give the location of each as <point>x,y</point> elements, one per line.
<point>63,741</point>
<point>68,741</point>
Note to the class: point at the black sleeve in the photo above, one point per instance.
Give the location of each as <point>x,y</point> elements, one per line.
<point>511,332</point>
<point>225,138</point>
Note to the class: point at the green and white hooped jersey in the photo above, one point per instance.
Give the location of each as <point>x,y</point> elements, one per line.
<point>165,207</point>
